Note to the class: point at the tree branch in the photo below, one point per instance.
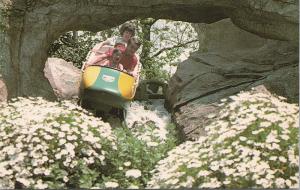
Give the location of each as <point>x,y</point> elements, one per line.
<point>175,46</point>
<point>148,21</point>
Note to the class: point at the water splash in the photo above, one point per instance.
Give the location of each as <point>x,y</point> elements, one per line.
<point>149,115</point>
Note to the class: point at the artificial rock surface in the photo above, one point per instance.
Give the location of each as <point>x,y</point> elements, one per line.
<point>28,27</point>
<point>63,77</point>
<point>229,60</point>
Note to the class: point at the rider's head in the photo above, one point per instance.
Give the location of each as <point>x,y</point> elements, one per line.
<point>127,31</point>
<point>132,46</point>
<point>116,55</point>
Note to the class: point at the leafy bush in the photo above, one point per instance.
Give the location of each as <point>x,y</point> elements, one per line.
<point>141,145</point>
<point>163,43</point>
<point>130,166</point>
<point>253,143</point>
<point>59,145</point>
<point>51,145</point>
<point>73,49</point>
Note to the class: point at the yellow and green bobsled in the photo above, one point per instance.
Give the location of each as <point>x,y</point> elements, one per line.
<point>104,87</point>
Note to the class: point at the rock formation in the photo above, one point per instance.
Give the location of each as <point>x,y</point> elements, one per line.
<point>64,78</point>
<point>229,60</point>
<point>28,27</point>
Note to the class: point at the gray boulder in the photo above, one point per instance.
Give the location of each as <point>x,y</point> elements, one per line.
<point>63,77</point>
<point>229,60</point>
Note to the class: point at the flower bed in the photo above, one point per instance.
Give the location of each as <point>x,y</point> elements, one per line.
<point>60,145</point>
<point>51,145</point>
<point>253,143</point>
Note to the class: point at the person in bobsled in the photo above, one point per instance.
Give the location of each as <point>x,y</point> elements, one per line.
<point>130,60</point>
<point>105,58</point>
<point>127,31</point>
<point>115,61</point>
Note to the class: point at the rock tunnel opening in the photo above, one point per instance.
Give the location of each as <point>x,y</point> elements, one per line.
<point>164,44</point>
<point>31,26</point>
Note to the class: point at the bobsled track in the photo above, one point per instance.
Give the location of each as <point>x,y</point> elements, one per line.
<point>137,113</point>
<point>149,96</point>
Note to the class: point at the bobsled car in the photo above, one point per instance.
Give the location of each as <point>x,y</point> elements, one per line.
<point>104,88</point>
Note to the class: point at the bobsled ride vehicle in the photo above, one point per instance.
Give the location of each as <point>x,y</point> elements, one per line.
<point>105,89</point>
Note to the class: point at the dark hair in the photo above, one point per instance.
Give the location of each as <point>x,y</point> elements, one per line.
<point>116,50</point>
<point>127,27</point>
<point>134,40</point>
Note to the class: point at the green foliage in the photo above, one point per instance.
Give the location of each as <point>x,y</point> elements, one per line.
<point>138,155</point>
<point>5,12</point>
<point>71,48</point>
<point>74,46</point>
<point>163,41</point>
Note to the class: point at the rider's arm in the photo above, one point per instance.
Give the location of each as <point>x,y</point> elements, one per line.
<point>98,46</point>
